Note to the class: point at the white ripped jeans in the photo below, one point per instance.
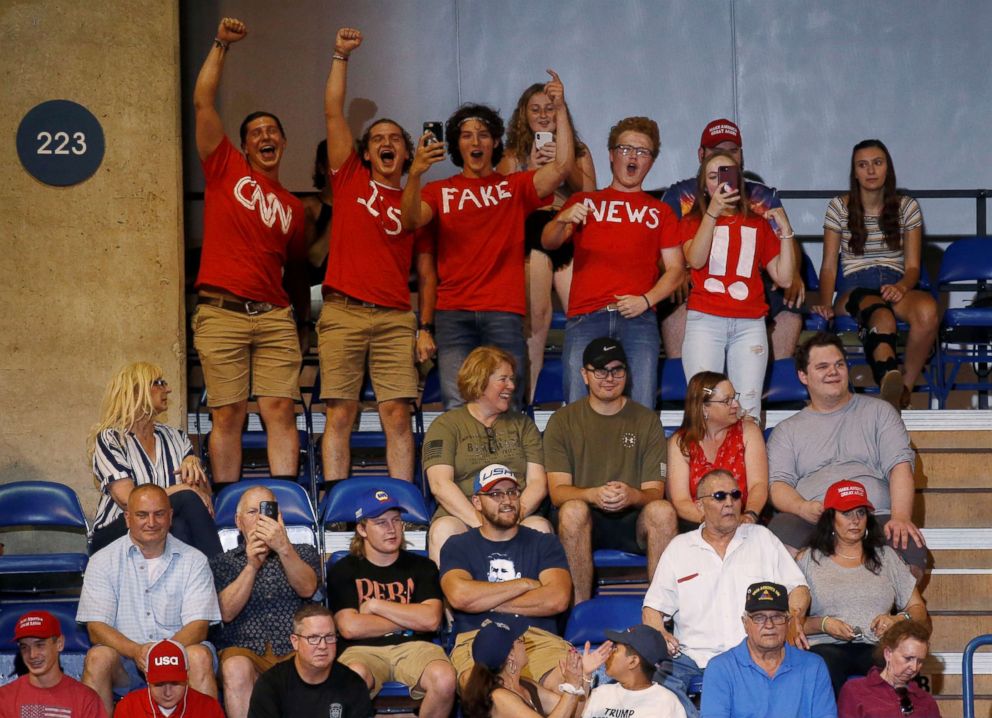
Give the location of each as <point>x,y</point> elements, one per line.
<point>741,345</point>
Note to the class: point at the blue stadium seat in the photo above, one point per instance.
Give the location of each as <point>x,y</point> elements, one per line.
<point>44,506</point>
<point>966,332</point>
<point>671,382</point>
<point>550,389</point>
<point>77,642</point>
<point>338,504</point>
<point>782,386</point>
<point>294,507</point>
<point>589,620</point>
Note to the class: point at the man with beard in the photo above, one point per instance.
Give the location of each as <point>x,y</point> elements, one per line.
<point>503,567</point>
<point>479,218</point>
<point>366,319</point>
<point>253,228</point>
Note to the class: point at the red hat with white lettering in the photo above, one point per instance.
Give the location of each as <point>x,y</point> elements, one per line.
<point>167,663</point>
<point>37,624</point>
<point>719,131</point>
<point>847,495</point>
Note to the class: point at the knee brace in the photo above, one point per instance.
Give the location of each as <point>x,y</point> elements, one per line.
<point>873,340</point>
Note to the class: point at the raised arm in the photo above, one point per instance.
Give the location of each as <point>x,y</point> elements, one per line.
<point>697,249</point>
<point>340,141</point>
<point>782,268</point>
<point>415,212</point>
<point>209,128</point>
<point>550,176</point>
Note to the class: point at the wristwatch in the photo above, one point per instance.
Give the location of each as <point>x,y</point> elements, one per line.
<point>426,327</point>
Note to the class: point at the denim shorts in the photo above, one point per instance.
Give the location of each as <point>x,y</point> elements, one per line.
<point>868,278</point>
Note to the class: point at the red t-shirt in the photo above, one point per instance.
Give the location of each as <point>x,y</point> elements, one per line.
<point>729,284</point>
<point>198,705</point>
<point>618,249</point>
<point>68,698</point>
<point>480,240</point>
<point>251,226</point>
<point>370,254</point>
<point>729,456</point>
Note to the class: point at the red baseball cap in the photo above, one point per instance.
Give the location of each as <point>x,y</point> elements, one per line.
<point>847,495</point>
<point>722,130</point>
<point>167,663</point>
<point>37,624</point>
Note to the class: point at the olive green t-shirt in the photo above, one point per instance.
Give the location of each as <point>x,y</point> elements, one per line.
<point>628,446</point>
<point>458,439</point>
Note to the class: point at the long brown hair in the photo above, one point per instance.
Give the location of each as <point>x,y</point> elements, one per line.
<point>889,221</point>
<point>693,428</point>
<point>519,135</point>
<point>743,206</point>
<point>477,696</point>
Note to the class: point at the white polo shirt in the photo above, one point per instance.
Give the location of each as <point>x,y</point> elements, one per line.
<point>704,594</point>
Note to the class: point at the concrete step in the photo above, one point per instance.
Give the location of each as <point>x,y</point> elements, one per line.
<point>951,633</point>
<point>951,707</point>
<point>958,592</point>
<point>975,439</point>
<point>965,558</point>
<point>953,468</point>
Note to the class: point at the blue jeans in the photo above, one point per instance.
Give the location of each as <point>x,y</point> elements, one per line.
<point>459,332</point>
<point>640,340</point>
<point>675,674</point>
<point>738,347</point>
<point>868,278</point>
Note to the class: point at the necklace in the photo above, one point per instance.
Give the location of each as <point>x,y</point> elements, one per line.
<point>852,558</point>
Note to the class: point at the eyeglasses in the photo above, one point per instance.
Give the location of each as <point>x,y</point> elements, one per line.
<point>160,382</point>
<point>328,638</point>
<point>905,704</point>
<point>627,150</point>
<point>776,619</point>
<point>617,372</point>
<point>726,402</point>
<point>500,494</point>
<point>721,496</point>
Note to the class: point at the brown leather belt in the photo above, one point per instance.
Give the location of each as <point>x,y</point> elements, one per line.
<point>234,305</point>
<point>331,293</point>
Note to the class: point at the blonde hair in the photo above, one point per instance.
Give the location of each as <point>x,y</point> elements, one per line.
<point>127,400</point>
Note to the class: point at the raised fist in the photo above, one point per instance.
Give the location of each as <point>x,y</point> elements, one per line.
<point>348,39</point>
<point>231,30</point>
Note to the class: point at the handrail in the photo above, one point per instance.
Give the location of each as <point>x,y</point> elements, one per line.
<point>968,673</point>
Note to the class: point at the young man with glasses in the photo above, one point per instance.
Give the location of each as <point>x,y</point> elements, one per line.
<point>701,581</point>
<point>312,684</point>
<point>607,459</point>
<point>763,674</point>
<point>621,236</point>
<point>388,606</point>
<point>260,584</point>
<point>503,567</point>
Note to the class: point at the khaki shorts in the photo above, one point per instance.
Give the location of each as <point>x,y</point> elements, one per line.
<point>404,662</point>
<point>349,333</point>
<point>262,663</point>
<point>544,652</point>
<point>244,354</point>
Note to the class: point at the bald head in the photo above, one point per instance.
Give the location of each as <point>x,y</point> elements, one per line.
<point>246,515</point>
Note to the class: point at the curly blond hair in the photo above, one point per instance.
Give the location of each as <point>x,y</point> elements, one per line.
<point>127,400</point>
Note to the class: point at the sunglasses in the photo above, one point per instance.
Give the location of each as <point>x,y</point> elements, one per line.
<point>722,495</point>
<point>905,704</point>
<point>160,382</point>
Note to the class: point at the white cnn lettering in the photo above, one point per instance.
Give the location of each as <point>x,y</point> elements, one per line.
<point>269,208</point>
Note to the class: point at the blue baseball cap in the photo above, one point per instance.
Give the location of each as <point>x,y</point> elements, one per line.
<point>495,639</point>
<point>492,475</point>
<point>376,503</point>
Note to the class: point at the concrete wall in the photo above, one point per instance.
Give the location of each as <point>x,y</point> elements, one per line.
<point>92,274</point>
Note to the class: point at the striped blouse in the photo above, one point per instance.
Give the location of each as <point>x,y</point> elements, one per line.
<point>120,456</point>
<point>877,252</point>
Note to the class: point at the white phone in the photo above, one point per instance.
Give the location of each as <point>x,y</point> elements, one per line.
<point>542,138</point>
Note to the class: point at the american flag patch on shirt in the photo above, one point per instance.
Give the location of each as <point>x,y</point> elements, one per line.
<point>38,711</point>
<point>432,449</point>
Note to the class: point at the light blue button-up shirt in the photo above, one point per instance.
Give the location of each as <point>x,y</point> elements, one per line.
<point>117,590</point>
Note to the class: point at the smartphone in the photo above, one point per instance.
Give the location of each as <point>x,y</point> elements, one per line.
<point>269,508</point>
<point>731,176</point>
<point>436,129</point>
<point>542,138</point>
